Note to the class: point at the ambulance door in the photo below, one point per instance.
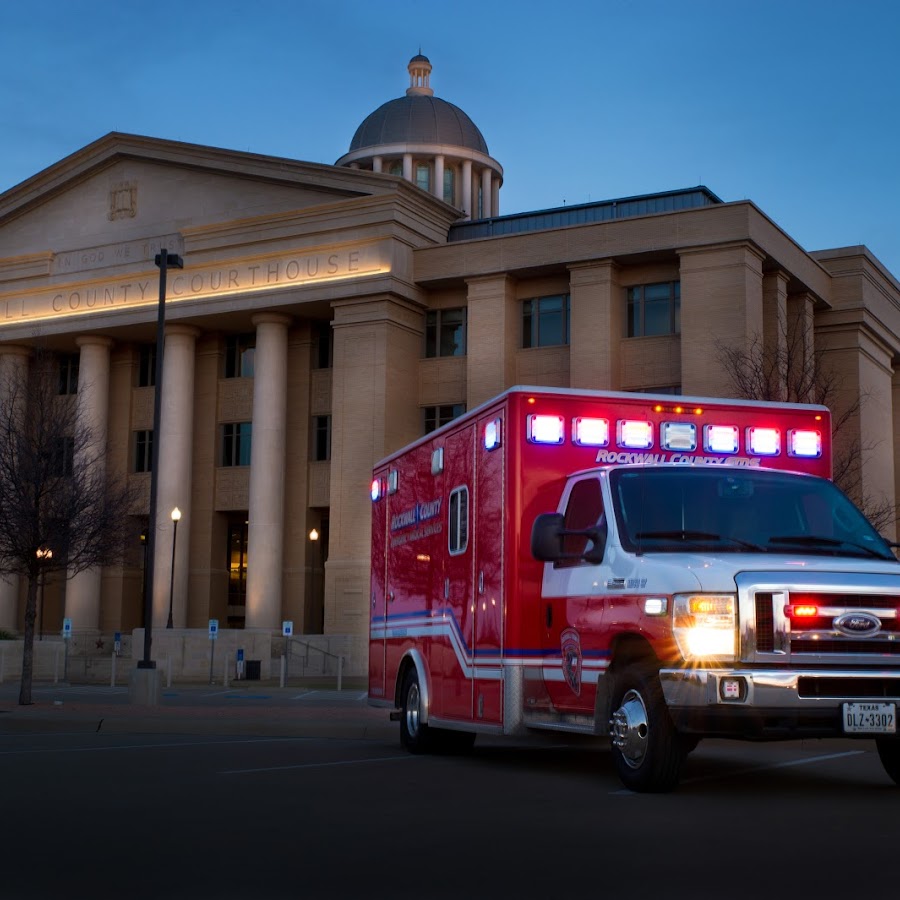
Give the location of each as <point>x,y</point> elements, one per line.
<point>489,537</point>
<point>377,598</point>
<point>457,622</point>
<point>572,606</point>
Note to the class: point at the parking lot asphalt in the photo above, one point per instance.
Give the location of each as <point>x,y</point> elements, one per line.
<point>258,708</point>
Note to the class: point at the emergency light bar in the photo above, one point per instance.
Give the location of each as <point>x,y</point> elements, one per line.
<point>590,432</point>
<point>377,490</point>
<point>634,434</point>
<point>546,429</point>
<point>804,443</point>
<point>764,441</point>
<point>679,436</point>
<point>720,438</point>
<point>492,435</point>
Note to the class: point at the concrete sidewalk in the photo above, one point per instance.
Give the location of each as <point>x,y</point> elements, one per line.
<point>194,709</point>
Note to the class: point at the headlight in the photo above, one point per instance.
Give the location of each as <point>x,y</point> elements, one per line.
<point>705,625</point>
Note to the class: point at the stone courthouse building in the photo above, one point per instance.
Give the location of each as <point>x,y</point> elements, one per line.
<point>325,315</point>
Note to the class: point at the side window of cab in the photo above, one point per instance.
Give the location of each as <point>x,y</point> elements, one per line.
<point>583,510</point>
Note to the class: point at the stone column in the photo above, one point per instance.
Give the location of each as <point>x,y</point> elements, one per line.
<point>376,163</point>
<point>495,195</point>
<point>466,195</point>
<point>486,195</point>
<point>438,186</point>
<point>13,372</point>
<point>407,167</point>
<point>597,313</point>
<point>83,591</point>
<point>721,306</point>
<point>265,549</point>
<point>377,350</point>
<point>174,476</point>
<point>494,336</point>
<point>775,326</point>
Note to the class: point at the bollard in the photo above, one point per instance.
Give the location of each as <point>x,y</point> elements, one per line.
<point>340,670</point>
<point>56,666</point>
<point>112,677</point>
<point>225,679</point>
<point>282,670</point>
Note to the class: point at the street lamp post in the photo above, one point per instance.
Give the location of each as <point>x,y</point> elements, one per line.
<point>164,259</point>
<point>313,605</point>
<point>44,555</point>
<point>176,515</point>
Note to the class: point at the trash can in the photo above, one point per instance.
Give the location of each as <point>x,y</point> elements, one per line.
<point>253,668</point>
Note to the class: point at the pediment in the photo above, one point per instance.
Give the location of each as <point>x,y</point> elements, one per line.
<point>123,189</point>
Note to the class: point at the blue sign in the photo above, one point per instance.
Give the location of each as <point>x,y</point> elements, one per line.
<point>240,657</point>
<point>67,628</point>
<point>213,629</point>
<point>287,629</point>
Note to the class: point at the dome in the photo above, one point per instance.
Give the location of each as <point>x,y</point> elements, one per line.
<point>418,119</point>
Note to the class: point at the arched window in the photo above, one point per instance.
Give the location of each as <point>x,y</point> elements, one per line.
<point>423,176</point>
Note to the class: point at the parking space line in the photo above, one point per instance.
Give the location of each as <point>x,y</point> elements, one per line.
<point>325,765</point>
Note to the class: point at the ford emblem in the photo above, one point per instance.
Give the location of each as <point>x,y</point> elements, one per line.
<point>857,624</point>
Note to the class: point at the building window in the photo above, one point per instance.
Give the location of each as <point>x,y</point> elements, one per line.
<point>239,353</point>
<point>396,168</point>
<point>236,440</point>
<point>321,438</point>
<point>449,186</point>
<point>62,462</point>
<point>435,416</point>
<point>654,309</point>
<point>423,176</point>
<point>445,332</point>
<point>68,373</point>
<point>147,365</point>
<point>458,521</point>
<point>143,451</point>
<point>545,321</point>
<point>237,567</point>
<point>323,355</point>
<point>665,389</point>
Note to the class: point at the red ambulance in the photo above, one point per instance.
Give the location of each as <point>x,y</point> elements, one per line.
<point>651,568</point>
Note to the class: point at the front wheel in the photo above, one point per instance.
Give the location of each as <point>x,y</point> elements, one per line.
<point>889,754</point>
<point>648,752</point>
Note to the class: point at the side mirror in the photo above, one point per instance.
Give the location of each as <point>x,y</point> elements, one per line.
<point>546,537</point>
<point>548,532</point>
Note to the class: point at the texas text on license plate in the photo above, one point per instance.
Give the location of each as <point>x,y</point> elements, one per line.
<point>870,718</point>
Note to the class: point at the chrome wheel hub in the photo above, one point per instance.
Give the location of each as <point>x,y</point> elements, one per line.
<point>412,710</point>
<point>629,728</point>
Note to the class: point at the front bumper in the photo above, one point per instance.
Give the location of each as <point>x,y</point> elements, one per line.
<point>769,704</point>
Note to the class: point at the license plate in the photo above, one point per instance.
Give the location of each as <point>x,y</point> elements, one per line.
<point>870,718</point>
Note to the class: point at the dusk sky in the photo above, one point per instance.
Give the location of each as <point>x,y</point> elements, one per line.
<point>793,104</point>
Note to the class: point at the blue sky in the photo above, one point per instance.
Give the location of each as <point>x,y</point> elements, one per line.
<point>793,104</point>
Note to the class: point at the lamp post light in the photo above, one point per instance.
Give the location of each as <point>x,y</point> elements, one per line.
<point>163,259</point>
<point>176,515</point>
<point>44,555</point>
<point>312,607</point>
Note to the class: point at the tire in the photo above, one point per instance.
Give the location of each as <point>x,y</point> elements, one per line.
<point>416,736</point>
<point>414,733</point>
<point>648,752</point>
<point>889,754</point>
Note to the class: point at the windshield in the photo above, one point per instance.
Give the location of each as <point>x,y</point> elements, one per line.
<point>674,509</point>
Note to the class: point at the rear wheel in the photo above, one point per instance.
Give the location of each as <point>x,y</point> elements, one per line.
<point>889,754</point>
<point>414,733</point>
<point>416,736</point>
<point>648,752</point>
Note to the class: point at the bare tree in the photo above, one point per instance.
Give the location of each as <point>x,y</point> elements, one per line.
<point>55,492</point>
<point>788,370</point>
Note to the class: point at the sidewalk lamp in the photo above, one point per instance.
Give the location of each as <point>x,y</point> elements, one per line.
<point>164,260</point>
<point>314,540</point>
<point>44,555</point>
<point>176,515</point>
